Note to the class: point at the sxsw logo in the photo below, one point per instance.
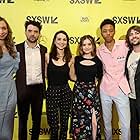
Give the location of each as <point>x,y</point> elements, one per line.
<point>116,131</point>
<point>76,40</point>
<point>7,1</point>
<point>43,131</point>
<point>126,19</point>
<point>85,1</point>
<point>44,19</point>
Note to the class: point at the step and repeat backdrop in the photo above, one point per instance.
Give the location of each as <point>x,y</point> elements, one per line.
<point>77,18</point>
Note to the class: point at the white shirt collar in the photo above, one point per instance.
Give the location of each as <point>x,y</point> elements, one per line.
<point>26,45</point>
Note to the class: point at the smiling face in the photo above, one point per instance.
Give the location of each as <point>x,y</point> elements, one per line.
<point>3,30</point>
<point>32,33</point>
<point>61,41</point>
<point>108,33</point>
<point>134,37</point>
<point>87,46</point>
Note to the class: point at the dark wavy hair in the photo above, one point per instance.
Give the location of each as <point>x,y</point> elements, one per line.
<point>9,41</point>
<point>136,28</point>
<point>67,52</point>
<point>82,39</point>
<point>34,23</point>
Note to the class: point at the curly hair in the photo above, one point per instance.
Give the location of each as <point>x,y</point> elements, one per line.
<point>136,28</point>
<point>9,41</point>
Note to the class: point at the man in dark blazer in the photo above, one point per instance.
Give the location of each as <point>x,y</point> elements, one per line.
<point>133,75</point>
<point>30,80</point>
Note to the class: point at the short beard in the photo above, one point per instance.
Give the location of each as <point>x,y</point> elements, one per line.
<point>137,44</point>
<point>32,41</point>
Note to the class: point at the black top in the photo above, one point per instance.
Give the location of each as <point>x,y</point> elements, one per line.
<point>88,73</point>
<point>57,75</point>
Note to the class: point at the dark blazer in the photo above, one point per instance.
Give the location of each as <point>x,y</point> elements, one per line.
<point>21,73</point>
<point>136,78</point>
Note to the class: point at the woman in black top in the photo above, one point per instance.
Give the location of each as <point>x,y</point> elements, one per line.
<point>87,71</point>
<point>58,92</point>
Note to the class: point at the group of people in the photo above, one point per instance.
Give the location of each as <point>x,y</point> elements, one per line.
<point>103,75</point>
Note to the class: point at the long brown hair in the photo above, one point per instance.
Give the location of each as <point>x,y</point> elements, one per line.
<point>67,52</point>
<point>9,41</point>
<point>82,39</point>
<point>136,28</point>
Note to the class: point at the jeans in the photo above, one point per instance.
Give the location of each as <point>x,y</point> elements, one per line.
<point>123,108</point>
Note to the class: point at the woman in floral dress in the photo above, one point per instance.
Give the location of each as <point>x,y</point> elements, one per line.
<point>87,72</point>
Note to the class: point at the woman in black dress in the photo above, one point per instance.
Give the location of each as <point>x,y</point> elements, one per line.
<point>87,71</point>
